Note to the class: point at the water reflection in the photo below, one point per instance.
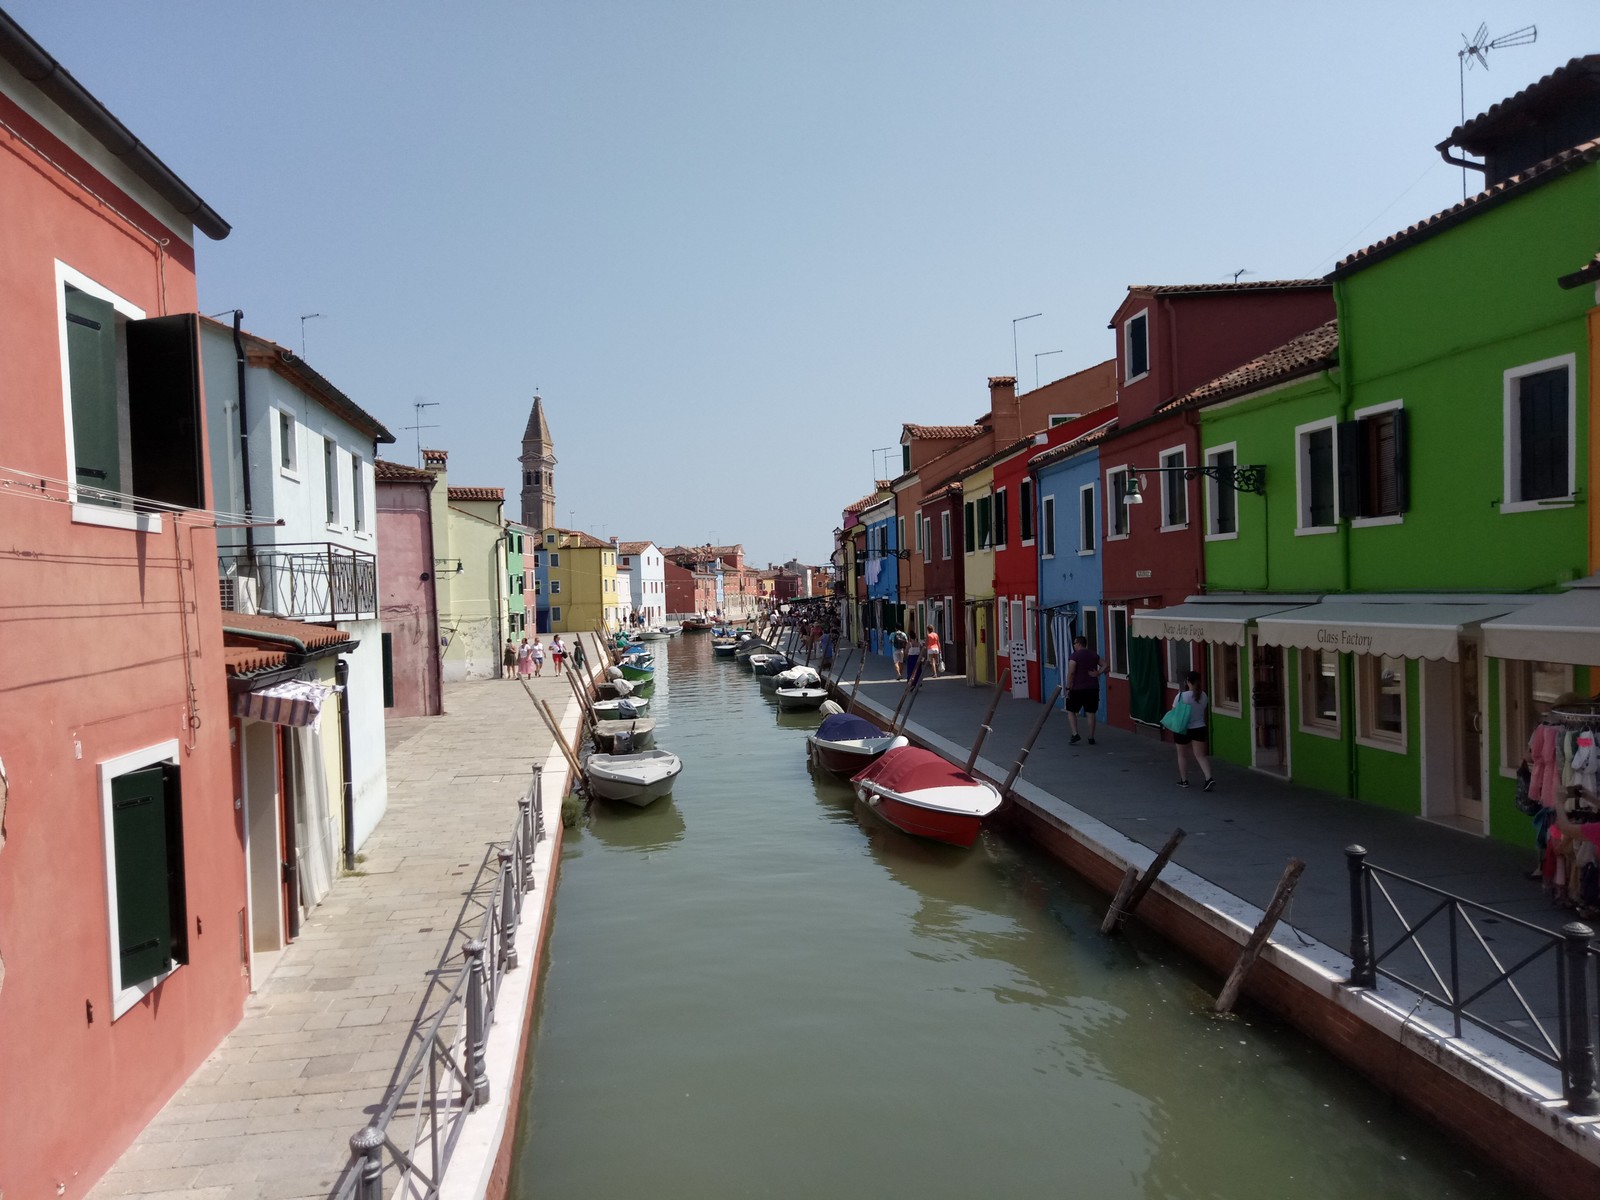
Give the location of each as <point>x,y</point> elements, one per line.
<point>624,827</point>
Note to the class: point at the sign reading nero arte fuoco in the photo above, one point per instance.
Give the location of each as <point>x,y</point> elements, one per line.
<point>1184,631</point>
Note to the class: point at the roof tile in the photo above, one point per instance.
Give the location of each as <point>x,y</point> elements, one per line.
<point>1310,352</point>
<point>477,493</point>
<point>384,470</point>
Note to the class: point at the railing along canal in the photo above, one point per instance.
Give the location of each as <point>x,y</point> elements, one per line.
<point>1528,985</point>
<point>441,1077</point>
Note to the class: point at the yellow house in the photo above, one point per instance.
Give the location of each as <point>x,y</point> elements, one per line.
<point>977,521</point>
<point>582,581</point>
<point>469,571</point>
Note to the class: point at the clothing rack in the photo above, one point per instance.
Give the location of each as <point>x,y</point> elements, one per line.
<point>1582,714</point>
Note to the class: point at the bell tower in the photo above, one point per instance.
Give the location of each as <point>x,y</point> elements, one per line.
<point>538,471</point>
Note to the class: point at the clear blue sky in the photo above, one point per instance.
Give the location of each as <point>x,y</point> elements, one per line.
<point>735,245</point>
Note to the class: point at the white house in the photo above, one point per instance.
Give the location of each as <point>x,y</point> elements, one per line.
<point>647,579</point>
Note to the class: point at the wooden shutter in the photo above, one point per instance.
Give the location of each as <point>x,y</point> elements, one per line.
<point>140,843</point>
<point>1351,468</point>
<point>92,375</point>
<point>1542,426</point>
<point>164,424</point>
<point>1400,461</point>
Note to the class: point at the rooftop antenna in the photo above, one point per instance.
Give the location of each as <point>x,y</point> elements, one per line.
<point>885,451</point>
<point>419,426</point>
<point>1015,321</point>
<point>1242,271</point>
<point>1036,358</point>
<point>1475,52</point>
<point>306,317</point>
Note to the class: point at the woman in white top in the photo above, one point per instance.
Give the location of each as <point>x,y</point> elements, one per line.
<point>1196,740</point>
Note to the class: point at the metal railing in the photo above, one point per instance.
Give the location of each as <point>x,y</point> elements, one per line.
<point>302,580</point>
<point>441,1078</point>
<point>1528,985</point>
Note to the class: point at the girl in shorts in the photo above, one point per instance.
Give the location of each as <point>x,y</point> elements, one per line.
<point>1196,741</point>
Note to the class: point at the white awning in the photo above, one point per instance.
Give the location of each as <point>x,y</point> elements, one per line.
<point>1222,619</point>
<point>1401,626</point>
<point>292,702</point>
<point>1563,628</point>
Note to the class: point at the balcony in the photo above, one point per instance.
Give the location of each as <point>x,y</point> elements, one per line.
<point>305,581</point>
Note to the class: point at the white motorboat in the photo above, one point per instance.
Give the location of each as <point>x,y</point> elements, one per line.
<point>799,699</point>
<point>846,743</point>
<point>623,709</point>
<point>635,778</point>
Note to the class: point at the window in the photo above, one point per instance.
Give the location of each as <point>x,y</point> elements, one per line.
<point>1539,423</point>
<point>1374,482</point>
<point>1225,695</point>
<point>1314,477</point>
<point>1222,499</point>
<point>1086,519</point>
<point>970,511</point>
<point>132,405</point>
<point>1180,661</point>
<point>1090,629</point>
<point>1117,650</point>
<point>1030,623</point>
<point>1319,692</point>
<point>900,533</point>
<point>1528,690</point>
<point>1025,511</point>
<point>1136,347</point>
<point>1062,418</point>
<point>1174,490</point>
<point>1381,694</point>
<point>1002,518</point>
<point>1002,615</point>
<point>550,539</point>
<point>916,525</point>
<point>1047,523</point>
<point>142,810</point>
<point>1050,642</point>
<point>330,479</point>
<point>288,443</point>
<point>538,587</point>
<point>1117,502</point>
<point>555,587</point>
<point>358,497</point>
<point>555,614</point>
<point>944,532</point>
<point>555,559</point>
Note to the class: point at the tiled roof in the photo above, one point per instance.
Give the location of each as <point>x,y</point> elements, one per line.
<point>242,660</point>
<point>577,539</point>
<point>276,629</point>
<point>1554,167</point>
<point>964,433</point>
<point>1249,285</point>
<point>1576,74</point>
<point>477,493</point>
<point>949,489</point>
<point>1588,273</point>
<point>383,469</point>
<point>1310,352</point>
<point>1067,449</point>
<point>864,502</point>
<point>634,547</point>
<point>1002,380</point>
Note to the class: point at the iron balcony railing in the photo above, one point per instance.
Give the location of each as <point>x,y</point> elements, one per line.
<point>302,580</point>
<point>441,1079</point>
<point>1533,987</point>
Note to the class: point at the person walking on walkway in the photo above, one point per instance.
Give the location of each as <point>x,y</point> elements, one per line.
<point>1196,741</point>
<point>524,659</point>
<point>932,651</point>
<point>508,659</point>
<point>1083,688</point>
<point>558,652</point>
<point>579,654</point>
<point>897,650</point>
<point>538,656</point>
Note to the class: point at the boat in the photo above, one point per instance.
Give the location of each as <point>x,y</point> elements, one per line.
<point>620,709</point>
<point>846,743</point>
<point>614,689</point>
<point>799,688</point>
<point>920,793</point>
<point>770,662</point>
<point>723,647</point>
<point>697,624</point>
<point>638,668</point>
<point>636,778</point>
<point>624,737</point>
<point>657,633</point>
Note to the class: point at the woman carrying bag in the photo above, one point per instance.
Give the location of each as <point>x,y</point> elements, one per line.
<point>1187,721</point>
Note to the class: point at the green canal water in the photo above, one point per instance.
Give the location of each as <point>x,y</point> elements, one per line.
<point>757,989</point>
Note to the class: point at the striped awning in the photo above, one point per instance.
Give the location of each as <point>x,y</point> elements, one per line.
<point>294,702</point>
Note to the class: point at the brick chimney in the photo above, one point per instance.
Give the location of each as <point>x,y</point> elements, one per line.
<point>1005,410</point>
<point>435,460</point>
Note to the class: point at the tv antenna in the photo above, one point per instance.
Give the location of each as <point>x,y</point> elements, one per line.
<point>1242,271</point>
<point>1036,358</point>
<point>1474,52</point>
<point>306,317</point>
<point>419,426</point>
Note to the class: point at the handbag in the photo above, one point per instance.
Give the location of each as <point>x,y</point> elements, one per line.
<point>1176,718</point>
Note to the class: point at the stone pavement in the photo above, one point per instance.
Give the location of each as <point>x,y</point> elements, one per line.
<point>270,1113</point>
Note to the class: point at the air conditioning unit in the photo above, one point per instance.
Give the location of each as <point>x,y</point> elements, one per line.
<point>240,594</point>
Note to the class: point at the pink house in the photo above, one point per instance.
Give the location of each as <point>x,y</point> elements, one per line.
<point>407,603</point>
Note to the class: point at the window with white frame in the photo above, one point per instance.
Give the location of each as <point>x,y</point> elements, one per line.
<point>1088,528</point>
<point>1180,661</point>
<point>1319,692</point>
<point>1528,691</point>
<point>1062,418</point>
<point>1025,511</point>
<point>1002,517</point>
<point>555,615</point>
<point>1047,527</point>
<point>984,506</point>
<point>288,443</point>
<point>1381,700</point>
<point>1003,620</point>
<point>1050,641</point>
<point>1117,502</point>
<point>358,497</point>
<point>1540,419</point>
<point>330,479</point>
<point>1174,489</point>
<point>1030,622</point>
<point>1374,471</point>
<point>944,534</point>
<point>555,559</point>
<point>1089,628</point>
<point>1117,640</point>
<point>1225,688</point>
<point>1136,347</point>
<point>1315,483</point>
<point>555,587</point>
<point>899,533</point>
<point>1222,499</point>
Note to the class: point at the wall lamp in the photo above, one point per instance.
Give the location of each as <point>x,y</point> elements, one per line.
<point>445,562</point>
<point>1240,479</point>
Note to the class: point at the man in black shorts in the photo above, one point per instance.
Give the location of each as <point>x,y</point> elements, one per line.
<point>1083,687</point>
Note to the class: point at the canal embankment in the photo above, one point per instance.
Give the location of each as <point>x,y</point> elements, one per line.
<point>1100,809</point>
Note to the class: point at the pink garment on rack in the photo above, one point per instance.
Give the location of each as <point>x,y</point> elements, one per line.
<point>1543,748</point>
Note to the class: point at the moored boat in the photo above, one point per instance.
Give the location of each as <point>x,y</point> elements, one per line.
<point>920,793</point>
<point>636,778</point>
<point>697,624</point>
<point>846,743</point>
<point>723,647</point>
<point>620,709</point>
<point>638,668</point>
<point>800,699</point>
<point>624,737</point>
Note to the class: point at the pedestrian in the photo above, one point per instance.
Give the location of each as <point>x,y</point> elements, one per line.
<point>538,656</point>
<point>558,652</point>
<point>579,654</point>
<point>934,652</point>
<point>524,659</point>
<point>897,650</point>
<point>1195,740</point>
<point>914,660</point>
<point>508,659</point>
<point>1083,687</point>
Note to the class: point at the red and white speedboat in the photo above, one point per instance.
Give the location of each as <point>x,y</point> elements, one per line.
<point>844,743</point>
<point>917,791</point>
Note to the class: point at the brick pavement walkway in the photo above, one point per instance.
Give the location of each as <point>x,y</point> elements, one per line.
<point>270,1113</point>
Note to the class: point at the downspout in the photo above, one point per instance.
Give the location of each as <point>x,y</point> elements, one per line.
<point>1346,668</point>
<point>341,676</point>
<point>244,437</point>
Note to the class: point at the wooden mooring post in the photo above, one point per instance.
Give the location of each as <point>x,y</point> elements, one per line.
<point>1027,746</point>
<point>1258,939</point>
<point>913,691</point>
<point>1134,886</point>
<point>983,729</point>
<point>543,710</point>
<point>860,667</point>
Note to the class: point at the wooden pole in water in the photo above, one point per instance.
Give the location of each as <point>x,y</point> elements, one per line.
<point>580,691</point>
<point>555,730</point>
<point>1258,939</point>
<point>1027,746</point>
<point>1115,913</point>
<point>905,717</point>
<point>1146,882</point>
<point>983,729</point>
<point>860,667</point>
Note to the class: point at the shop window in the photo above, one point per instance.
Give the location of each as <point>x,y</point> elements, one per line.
<point>1381,700</point>
<point>1117,649</point>
<point>1315,483</point>
<point>1174,489</point>
<point>1180,661</point>
<point>1374,480</point>
<point>1086,519</point>
<point>1222,500</point>
<point>1319,692</point>
<point>1224,683</point>
<point>1528,690</point>
<point>1539,421</point>
<point>1047,524</point>
<point>1025,511</point>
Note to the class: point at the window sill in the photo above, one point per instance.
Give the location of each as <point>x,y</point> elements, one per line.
<point>1375,522</point>
<point>1332,733</point>
<point>1027,541</point>
<point>363,534</point>
<point>1223,537</point>
<point>1519,506</point>
<point>1314,530</point>
<point>289,473</point>
<point>1089,553</point>
<point>1116,537</point>
<point>116,518</point>
<point>1136,378</point>
<point>125,999</point>
<point>1394,745</point>
<point>332,528</point>
<point>1227,710</point>
<point>1173,528</point>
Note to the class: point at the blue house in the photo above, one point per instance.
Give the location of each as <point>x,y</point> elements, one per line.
<point>1068,491</point>
<point>881,569</point>
<point>541,590</point>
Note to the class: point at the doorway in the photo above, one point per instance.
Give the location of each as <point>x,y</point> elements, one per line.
<point>1452,740</point>
<point>263,848</point>
<point>1269,747</point>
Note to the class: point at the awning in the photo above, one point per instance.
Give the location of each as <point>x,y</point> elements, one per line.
<point>293,702</point>
<point>1563,628</point>
<point>1211,619</point>
<point>1401,626</point>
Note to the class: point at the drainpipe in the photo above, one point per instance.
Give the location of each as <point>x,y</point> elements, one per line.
<point>341,676</point>
<point>1346,677</point>
<point>244,435</point>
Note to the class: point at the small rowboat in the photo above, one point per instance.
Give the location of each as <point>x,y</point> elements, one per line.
<point>723,647</point>
<point>635,669</point>
<point>614,710</point>
<point>920,793</point>
<point>624,737</point>
<point>845,743</point>
<point>633,778</point>
<point>801,699</point>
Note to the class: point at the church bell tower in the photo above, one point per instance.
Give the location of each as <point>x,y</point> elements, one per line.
<point>538,471</point>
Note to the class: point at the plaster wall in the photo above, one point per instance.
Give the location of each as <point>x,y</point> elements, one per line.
<point>406,601</point>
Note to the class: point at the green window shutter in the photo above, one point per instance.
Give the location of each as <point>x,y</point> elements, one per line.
<point>1352,475</point>
<point>388,670</point>
<point>140,842</point>
<point>92,370</point>
<point>1401,448</point>
<point>177,889</point>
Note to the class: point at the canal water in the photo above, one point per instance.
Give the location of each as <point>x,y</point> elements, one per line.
<point>757,989</point>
